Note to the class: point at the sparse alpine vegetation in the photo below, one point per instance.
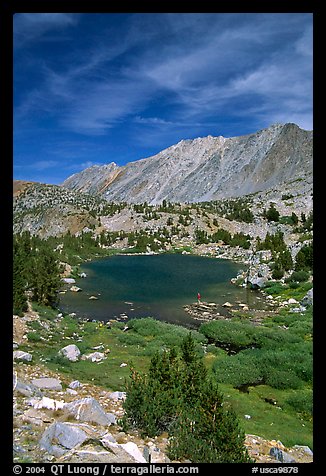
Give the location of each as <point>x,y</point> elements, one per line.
<point>249,373</point>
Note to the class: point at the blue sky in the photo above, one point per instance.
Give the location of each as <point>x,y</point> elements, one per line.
<point>98,88</point>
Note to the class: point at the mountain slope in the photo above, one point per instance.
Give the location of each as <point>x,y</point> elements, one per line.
<point>205,169</point>
<point>50,210</point>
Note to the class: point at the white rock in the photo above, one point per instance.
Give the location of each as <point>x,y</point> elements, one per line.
<point>68,280</point>
<point>70,391</point>
<point>45,402</point>
<point>132,449</point>
<point>117,395</point>
<point>71,352</point>
<point>59,437</point>
<point>21,355</point>
<point>75,289</point>
<point>94,357</point>
<point>75,384</point>
<point>47,383</point>
<point>89,410</point>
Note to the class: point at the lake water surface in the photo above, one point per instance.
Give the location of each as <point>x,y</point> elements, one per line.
<point>155,285</point>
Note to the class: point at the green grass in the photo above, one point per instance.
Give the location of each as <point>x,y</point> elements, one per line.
<point>107,373</point>
<point>134,347</point>
<point>286,292</point>
<point>289,420</point>
<point>268,421</point>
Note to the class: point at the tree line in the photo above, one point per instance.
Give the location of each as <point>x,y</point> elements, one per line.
<point>35,271</point>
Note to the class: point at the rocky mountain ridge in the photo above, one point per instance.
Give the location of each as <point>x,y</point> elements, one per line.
<point>205,169</point>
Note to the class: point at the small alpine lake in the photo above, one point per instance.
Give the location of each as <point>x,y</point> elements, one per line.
<point>134,286</point>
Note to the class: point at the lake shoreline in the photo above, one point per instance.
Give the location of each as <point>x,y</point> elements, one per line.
<point>238,304</point>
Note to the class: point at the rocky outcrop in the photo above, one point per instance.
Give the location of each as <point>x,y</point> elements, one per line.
<point>94,356</point>
<point>93,180</point>
<point>70,352</point>
<point>59,437</point>
<point>47,383</point>
<point>89,410</point>
<point>308,299</point>
<point>204,169</point>
<point>21,355</point>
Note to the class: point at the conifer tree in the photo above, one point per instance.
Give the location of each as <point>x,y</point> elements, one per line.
<point>45,276</point>
<point>177,396</point>
<point>19,279</point>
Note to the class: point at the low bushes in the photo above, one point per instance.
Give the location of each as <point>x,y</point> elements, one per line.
<point>281,368</point>
<point>298,277</point>
<point>166,335</point>
<point>236,334</point>
<point>301,401</point>
<point>281,358</point>
<point>238,370</point>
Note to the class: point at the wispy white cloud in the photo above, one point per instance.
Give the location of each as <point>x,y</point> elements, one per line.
<point>29,27</point>
<point>230,63</point>
<point>154,79</point>
<point>199,77</point>
<point>152,121</point>
<point>39,165</point>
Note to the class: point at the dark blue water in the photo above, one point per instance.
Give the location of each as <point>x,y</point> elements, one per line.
<point>156,286</point>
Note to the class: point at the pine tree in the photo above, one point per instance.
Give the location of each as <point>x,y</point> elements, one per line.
<point>19,279</point>
<point>285,260</point>
<point>44,275</point>
<point>177,396</point>
<point>272,214</point>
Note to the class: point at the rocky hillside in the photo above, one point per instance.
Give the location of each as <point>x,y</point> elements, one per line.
<point>59,419</point>
<point>205,169</point>
<point>50,210</point>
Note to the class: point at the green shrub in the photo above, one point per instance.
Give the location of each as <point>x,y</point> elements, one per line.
<point>169,334</point>
<point>298,276</point>
<point>301,401</point>
<point>237,370</point>
<point>35,325</point>
<point>286,367</point>
<point>273,338</point>
<point>272,214</point>
<point>34,337</point>
<point>236,334</point>
<point>213,349</point>
<point>274,288</point>
<point>282,361</point>
<point>277,273</point>
<point>294,284</point>
<point>131,339</point>
<point>282,379</point>
<point>60,360</point>
<point>177,396</point>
